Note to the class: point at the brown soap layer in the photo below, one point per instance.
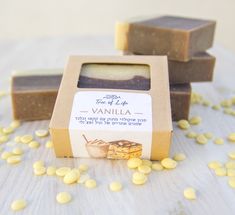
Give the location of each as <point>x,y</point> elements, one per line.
<point>36,101</point>
<point>178,38</point>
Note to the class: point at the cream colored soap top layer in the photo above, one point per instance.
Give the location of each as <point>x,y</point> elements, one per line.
<point>115,71</point>
<point>37,72</point>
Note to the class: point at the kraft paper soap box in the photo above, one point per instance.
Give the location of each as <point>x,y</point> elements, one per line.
<point>125,115</point>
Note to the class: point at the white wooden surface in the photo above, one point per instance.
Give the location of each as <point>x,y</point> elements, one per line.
<point>162,194</point>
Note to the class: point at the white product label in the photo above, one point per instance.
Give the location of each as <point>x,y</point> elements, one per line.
<point>115,125</point>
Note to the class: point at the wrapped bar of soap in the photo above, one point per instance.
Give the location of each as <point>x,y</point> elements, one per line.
<point>177,37</point>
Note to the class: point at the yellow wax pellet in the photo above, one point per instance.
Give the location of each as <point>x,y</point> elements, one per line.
<point>144,169</point>
<point>169,163</point>
<point>41,133</point>
<point>230,165</point>
<point>7,130</point>
<point>201,139</point>
<point>191,134</point>
<point>49,144</point>
<point>17,139</point>
<point>34,144</point>
<point>208,135</point>
<point>4,139</point>
<point>147,162</point>
<point>183,124</point>
<point>14,159</point>
<point>6,155</point>
<point>71,177</point>
<point>220,171</point>
<point>206,103</point>
<point>157,166</point>
<point>231,172</point>
<point>216,107</point>
<point>38,164</point>
<point>82,179</point>
<point>179,157</point>
<point>190,193</point>
<point>17,151</point>
<point>228,111</point>
<point>219,141</point>
<point>18,204</point>
<point>231,182</point>
<point>231,137</point>
<point>226,103</point>
<point>51,170</point>
<point>115,186</point>
<point>214,165</point>
<point>139,178</point>
<point>133,163</point>
<point>232,155</point>
<point>195,120</point>
<point>15,124</point>
<point>3,93</point>
<point>62,171</point>
<point>41,170</point>
<point>90,183</point>
<point>63,197</point>
<point>26,138</point>
<point>83,167</point>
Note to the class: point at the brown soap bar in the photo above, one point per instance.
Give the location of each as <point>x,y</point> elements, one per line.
<point>34,95</point>
<point>199,69</point>
<point>177,37</point>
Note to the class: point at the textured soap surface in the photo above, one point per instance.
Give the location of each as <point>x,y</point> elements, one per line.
<point>177,37</point>
<point>35,100</point>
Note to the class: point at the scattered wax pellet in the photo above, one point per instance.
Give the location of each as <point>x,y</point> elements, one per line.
<point>83,178</point>
<point>226,103</point>
<point>34,144</point>
<point>133,163</point>
<point>195,120</point>
<point>41,133</point>
<point>232,155</point>
<point>183,124</point>
<point>17,139</point>
<point>231,182</point>
<point>4,138</point>
<point>51,170</point>
<point>3,93</point>
<point>190,193</point>
<point>26,138</point>
<point>228,111</point>
<point>220,171</point>
<point>219,141</point>
<point>214,165</point>
<point>90,183</point>
<point>71,177</point>
<point>41,170</point>
<point>169,163</point>
<point>208,135</point>
<point>14,159</point>
<point>230,165</point>
<point>191,134</point>
<point>144,169</point>
<point>115,186</point>
<point>15,124</point>
<point>216,107</point>
<point>6,155</point>
<point>231,172</point>
<point>206,103</point>
<point>38,164</point>
<point>18,205</point>
<point>147,162</point>
<point>63,197</point>
<point>231,137</point>
<point>201,139</point>
<point>83,167</point>
<point>62,171</point>
<point>17,151</point>
<point>139,178</point>
<point>179,157</point>
<point>7,130</point>
<point>49,144</point>
<point>157,166</point>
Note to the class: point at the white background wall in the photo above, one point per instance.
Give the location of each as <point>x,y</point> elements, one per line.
<point>38,18</point>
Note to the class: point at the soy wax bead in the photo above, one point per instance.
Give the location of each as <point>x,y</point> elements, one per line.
<point>144,169</point>
<point>115,186</point>
<point>190,193</point>
<point>219,141</point>
<point>6,155</point>
<point>214,164</point>
<point>14,159</point>
<point>26,138</point>
<point>230,165</point>
<point>147,162</point>
<point>179,157</point>
<point>51,170</point>
<point>157,166</point>
<point>191,134</point>
<point>168,163</point>
<point>71,177</point>
<point>83,167</point>
<point>15,124</point>
<point>17,139</point>
<point>49,144</point>
<point>18,205</point>
<point>34,144</point>
<point>62,171</point>
<point>133,163</point>
<point>231,137</point>
<point>208,135</point>
<point>4,139</point>
<point>63,197</point>
<point>83,178</point>
<point>90,183</point>
<point>41,133</point>
<point>201,139</point>
<point>139,178</point>
<point>17,151</point>
<point>37,164</point>
<point>39,170</point>
<point>8,130</point>
<point>195,120</point>
<point>231,172</point>
<point>231,182</point>
<point>183,124</point>
<point>220,171</point>
<point>231,155</point>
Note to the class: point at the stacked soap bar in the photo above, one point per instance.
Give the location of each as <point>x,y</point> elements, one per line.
<point>183,40</point>
<point>34,92</point>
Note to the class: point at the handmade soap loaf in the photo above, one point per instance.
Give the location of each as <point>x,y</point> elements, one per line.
<point>199,69</point>
<point>177,37</point>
